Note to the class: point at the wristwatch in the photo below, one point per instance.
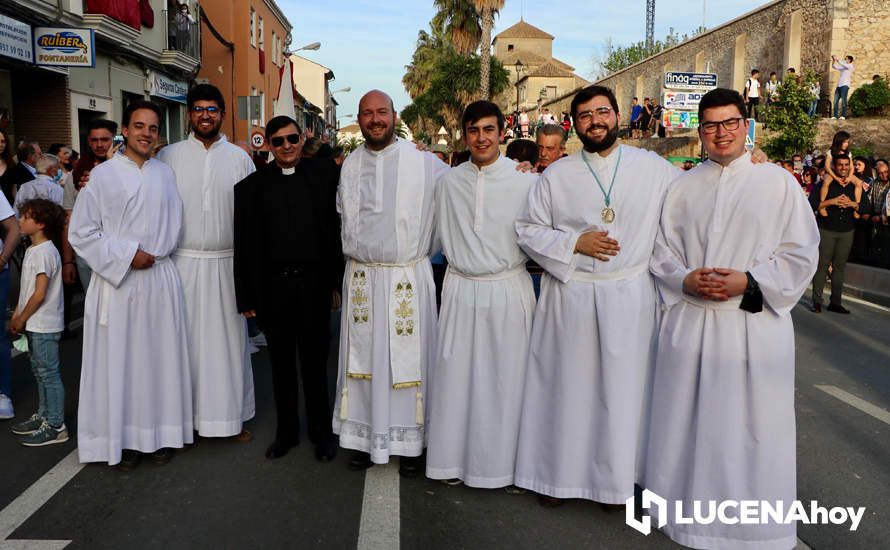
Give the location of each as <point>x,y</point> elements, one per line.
<point>752,299</point>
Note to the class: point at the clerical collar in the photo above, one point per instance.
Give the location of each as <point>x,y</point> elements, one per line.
<point>289,171</point>
<point>220,138</point>
<point>488,167</point>
<point>743,160</point>
<point>386,150</point>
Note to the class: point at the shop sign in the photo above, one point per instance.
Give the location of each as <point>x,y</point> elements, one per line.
<point>161,86</point>
<point>64,47</point>
<point>15,39</point>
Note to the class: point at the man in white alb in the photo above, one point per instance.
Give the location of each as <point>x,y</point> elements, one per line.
<point>591,224</point>
<point>135,389</point>
<point>207,167</point>
<point>736,248</point>
<point>388,325</point>
<point>487,305</point>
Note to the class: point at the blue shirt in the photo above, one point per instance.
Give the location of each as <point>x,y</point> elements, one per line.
<point>635,112</point>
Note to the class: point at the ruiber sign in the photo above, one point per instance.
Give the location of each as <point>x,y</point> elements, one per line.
<point>66,47</point>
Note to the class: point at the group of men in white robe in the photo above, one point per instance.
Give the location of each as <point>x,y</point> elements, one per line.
<point>165,351</point>
<point>661,351</point>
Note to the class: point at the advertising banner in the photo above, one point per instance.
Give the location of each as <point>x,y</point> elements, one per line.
<point>690,81</point>
<point>680,119</point>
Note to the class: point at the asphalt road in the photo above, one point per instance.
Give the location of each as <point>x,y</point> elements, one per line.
<point>223,494</point>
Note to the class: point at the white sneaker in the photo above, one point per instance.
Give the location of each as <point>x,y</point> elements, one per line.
<point>6,410</point>
<point>834,118</point>
<point>843,118</point>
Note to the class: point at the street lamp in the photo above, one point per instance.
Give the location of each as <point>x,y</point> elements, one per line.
<point>518,67</point>
<point>313,46</point>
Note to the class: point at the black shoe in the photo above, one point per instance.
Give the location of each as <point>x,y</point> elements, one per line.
<point>162,456</point>
<point>279,448</point>
<point>359,461</point>
<point>817,308</point>
<point>410,466</point>
<point>326,451</point>
<point>129,460</point>
<point>837,308</point>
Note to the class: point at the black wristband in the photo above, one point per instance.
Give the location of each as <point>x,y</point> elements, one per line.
<point>752,299</point>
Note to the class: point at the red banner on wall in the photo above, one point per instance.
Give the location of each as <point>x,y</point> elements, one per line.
<point>125,11</point>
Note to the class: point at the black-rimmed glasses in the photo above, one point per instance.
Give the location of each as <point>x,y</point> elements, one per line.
<point>209,110</point>
<point>278,141</point>
<point>730,125</point>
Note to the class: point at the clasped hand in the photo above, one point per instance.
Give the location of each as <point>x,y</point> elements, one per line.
<point>717,284</point>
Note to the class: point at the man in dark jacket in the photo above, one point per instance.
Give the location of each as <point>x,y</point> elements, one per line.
<point>288,264</point>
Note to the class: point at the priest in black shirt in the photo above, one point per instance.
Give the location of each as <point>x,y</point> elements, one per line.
<point>288,264</point>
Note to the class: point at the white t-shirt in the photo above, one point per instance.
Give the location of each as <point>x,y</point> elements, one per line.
<point>43,258</point>
<point>753,86</point>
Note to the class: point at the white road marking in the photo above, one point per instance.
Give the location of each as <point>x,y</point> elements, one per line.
<point>380,523</point>
<point>859,403</point>
<point>32,499</point>
<point>856,300</point>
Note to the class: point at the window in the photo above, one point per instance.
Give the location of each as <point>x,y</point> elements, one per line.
<point>280,52</point>
<point>261,37</point>
<point>252,27</point>
<point>274,48</point>
<point>551,92</point>
<point>254,121</point>
<point>262,109</point>
<point>509,47</point>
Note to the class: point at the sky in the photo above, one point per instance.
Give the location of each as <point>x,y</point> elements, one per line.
<point>367,43</point>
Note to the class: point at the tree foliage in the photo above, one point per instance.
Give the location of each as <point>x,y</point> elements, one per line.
<point>441,82</point>
<point>616,58</point>
<point>872,99</point>
<point>793,131</point>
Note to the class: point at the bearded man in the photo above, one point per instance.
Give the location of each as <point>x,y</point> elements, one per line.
<point>207,167</point>
<point>591,223</point>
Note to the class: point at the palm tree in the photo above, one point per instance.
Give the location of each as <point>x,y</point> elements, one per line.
<point>468,23</point>
<point>486,10</point>
<point>460,21</point>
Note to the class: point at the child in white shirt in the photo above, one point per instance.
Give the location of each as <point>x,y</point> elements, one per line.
<point>40,315</point>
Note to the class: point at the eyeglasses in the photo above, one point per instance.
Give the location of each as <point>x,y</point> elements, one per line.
<point>209,110</point>
<point>730,125</point>
<point>587,116</point>
<point>278,141</point>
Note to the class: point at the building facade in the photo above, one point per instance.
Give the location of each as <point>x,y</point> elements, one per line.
<point>527,53</point>
<point>242,46</point>
<point>312,81</point>
<point>142,50</point>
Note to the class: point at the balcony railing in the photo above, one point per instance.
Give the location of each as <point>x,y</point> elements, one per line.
<point>183,33</point>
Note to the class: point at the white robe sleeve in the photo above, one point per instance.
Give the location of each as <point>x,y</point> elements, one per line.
<point>108,256</point>
<point>553,249</point>
<point>669,270</point>
<point>784,276</point>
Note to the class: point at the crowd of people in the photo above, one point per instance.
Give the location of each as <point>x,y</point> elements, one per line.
<point>658,324</point>
<point>769,90</point>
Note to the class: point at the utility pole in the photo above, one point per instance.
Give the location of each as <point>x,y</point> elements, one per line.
<point>650,23</point>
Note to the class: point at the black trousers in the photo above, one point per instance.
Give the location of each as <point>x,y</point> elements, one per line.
<point>299,324</point>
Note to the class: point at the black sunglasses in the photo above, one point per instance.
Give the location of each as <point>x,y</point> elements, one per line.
<point>278,141</point>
